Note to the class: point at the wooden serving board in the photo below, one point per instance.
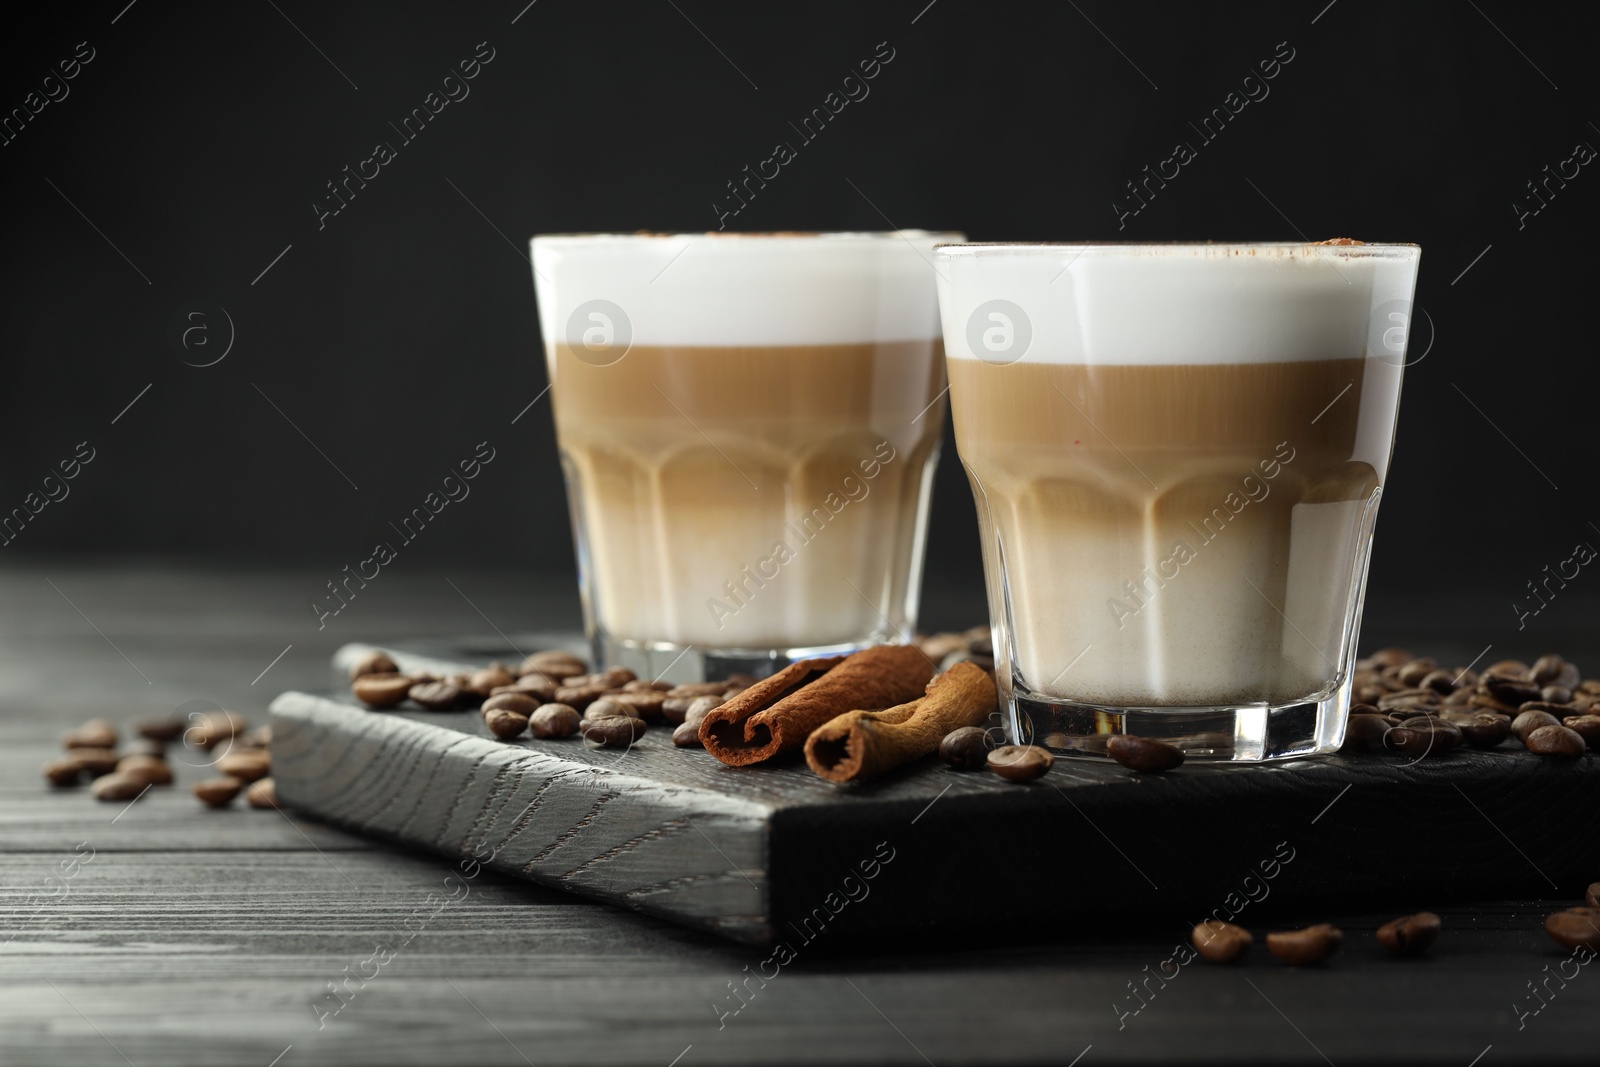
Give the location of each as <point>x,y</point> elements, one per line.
<point>775,855</point>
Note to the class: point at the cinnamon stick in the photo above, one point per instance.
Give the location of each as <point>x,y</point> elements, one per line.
<point>777,714</point>
<point>862,744</point>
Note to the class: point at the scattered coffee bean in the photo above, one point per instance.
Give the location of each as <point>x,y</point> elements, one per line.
<point>374,662</point>
<point>1145,754</point>
<point>937,646</point>
<point>262,794</point>
<point>1589,685</point>
<point>96,761</point>
<point>1528,721</point>
<point>686,735</point>
<point>505,723</point>
<point>606,708</point>
<point>1591,896</point>
<point>1409,935</point>
<point>146,770</point>
<point>700,708</point>
<point>1553,670</point>
<point>1507,689</point>
<point>145,747</point>
<point>523,703</point>
<point>1220,942</point>
<point>579,696</point>
<point>1555,741</point>
<point>1555,694</point>
<point>554,720</point>
<point>554,665</point>
<point>646,703</point>
<point>96,733</point>
<point>436,696</point>
<point>537,686</point>
<point>246,764</point>
<point>164,730</point>
<point>1365,733</point>
<point>1414,672</point>
<point>486,681</point>
<point>1442,682</point>
<point>1020,763</point>
<point>697,689</point>
<point>618,731</point>
<point>260,737</point>
<point>214,727</point>
<point>1314,944</point>
<point>1586,727</point>
<point>117,787</point>
<point>1388,657</point>
<point>1575,928</point>
<point>1424,737</point>
<point>218,792</point>
<point>1507,668</point>
<point>64,773</point>
<point>966,749</point>
<point>1483,729</point>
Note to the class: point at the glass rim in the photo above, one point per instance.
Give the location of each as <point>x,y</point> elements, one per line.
<point>951,249</point>
<point>801,237</point>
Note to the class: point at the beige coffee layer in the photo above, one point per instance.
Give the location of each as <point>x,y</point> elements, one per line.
<point>751,497</point>
<point>1181,534</point>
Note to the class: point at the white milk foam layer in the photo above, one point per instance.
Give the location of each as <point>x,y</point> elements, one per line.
<point>1169,304</point>
<point>745,289</point>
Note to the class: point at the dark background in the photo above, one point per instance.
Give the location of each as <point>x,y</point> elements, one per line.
<point>194,144</point>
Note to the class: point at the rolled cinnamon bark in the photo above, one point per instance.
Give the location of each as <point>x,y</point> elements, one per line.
<point>861,744</point>
<point>778,714</point>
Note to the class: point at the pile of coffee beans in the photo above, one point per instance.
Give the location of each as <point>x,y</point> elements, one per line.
<point>948,648</point>
<point>553,695</point>
<point>239,754</point>
<point>1407,704</point>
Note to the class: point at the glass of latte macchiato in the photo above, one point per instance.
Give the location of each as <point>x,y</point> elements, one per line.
<point>748,425</point>
<point>1177,453</point>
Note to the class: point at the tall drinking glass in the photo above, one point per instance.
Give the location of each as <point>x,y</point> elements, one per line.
<point>748,426</point>
<point>1177,453</point>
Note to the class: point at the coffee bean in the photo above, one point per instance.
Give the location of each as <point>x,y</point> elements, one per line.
<point>610,708</point>
<point>117,787</point>
<point>145,747</point>
<point>1591,896</point>
<point>619,731</point>
<point>700,708</point>
<point>1144,754</point>
<point>1389,657</point>
<point>673,709</point>
<point>1533,719</point>
<point>1484,729</point>
<point>217,792</point>
<point>1458,698</point>
<point>1363,709</point>
<point>96,733</point>
<point>1555,694</point>
<point>146,770</point>
<point>963,656</point>
<point>697,689</point>
<point>381,690</point>
<point>245,764</point>
<point>1408,699</point>
<point>966,749</point>
<point>686,735</point>
<point>1220,942</point>
<point>505,723</point>
<point>64,773</point>
<point>1368,693</point>
<point>165,729</point>
<point>1585,726</point>
<point>1590,686</point>
<point>484,682</point>
<point>1439,681</point>
<point>260,737</point>
<point>262,794</point>
<point>537,686</point>
<point>1555,741</point>
<point>1553,670</point>
<point>555,665</point>
<point>645,702</point>
<point>1020,763</point>
<point>1507,668</point>
<point>1489,703</point>
<point>981,644</point>
<point>521,703</point>
<point>939,645</point>
<point>1314,944</point>
<point>1365,733</point>
<point>579,696</point>
<point>436,696</point>
<point>1409,935</point>
<point>374,662</point>
<point>95,761</point>
<point>554,720</point>
<point>1507,689</point>
<point>1424,737</point>
<point>1414,672</point>
<point>215,727</point>
<point>1575,928</point>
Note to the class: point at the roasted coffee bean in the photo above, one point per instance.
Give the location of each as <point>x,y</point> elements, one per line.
<point>522,703</point>
<point>981,644</point>
<point>1409,935</point>
<point>96,733</point>
<point>1575,928</point>
<point>1483,729</point>
<point>1458,698</point>
<point>937,646</point>
<point>1144,754</point>
<point>700,708</point>
<point>607,708</point>
<point>1443,682</point>
<point>645,685</point>
<point>579,696</point>
<point>1553,670</point>
<point>619,731</point>
<point>117,787</point>
<point>145,747</point>
<point>1368,693</point>
<point>1020,763</point>
<point>1414,672</point>
<point>1507,668</point>
<point>505,723</point>
<point>1555,741</point>
<point>1314,944</point>
<point>260,737</point>
<point>1363,709</point>
<point>146,770</point>
<point>1585,726</point>
<point>1489,703</point>
<point>215,727</point>
<point>966,749</point>
<point>645,702</point>
<point>1220,942</point>
<point>1590,686</point>
<point>217,792</point>
<point>1555,694</point>
<point>164,730</point>
<point>1466,677</point>
<point>245,764</point>
<point>382,690</point>
<point>64,772</point>
<point>1509,690</point>
<point>673,709</point>
<point>262,794</point>
<point>1424,737</point>
<point>96,761</point>
<point>1408,698</point>
<point>436,696</point>
<point>1389,657</point>
<point>1591,896</point>
<point>697,689</point>
<point>554,664</point>
<point>1533,719</point>
<point>374,662</point>
<point>554,720</point>
<point>486,681</point>
<point>686,735</point>
<point>1365,733</point>
<point>963,656</point>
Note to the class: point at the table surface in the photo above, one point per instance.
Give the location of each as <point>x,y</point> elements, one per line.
<point>163,933</point>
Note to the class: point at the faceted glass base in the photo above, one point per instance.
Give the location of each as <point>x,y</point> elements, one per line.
<point>663,661</point>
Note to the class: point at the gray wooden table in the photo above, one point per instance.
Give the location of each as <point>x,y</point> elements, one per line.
<point>162,933</point>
